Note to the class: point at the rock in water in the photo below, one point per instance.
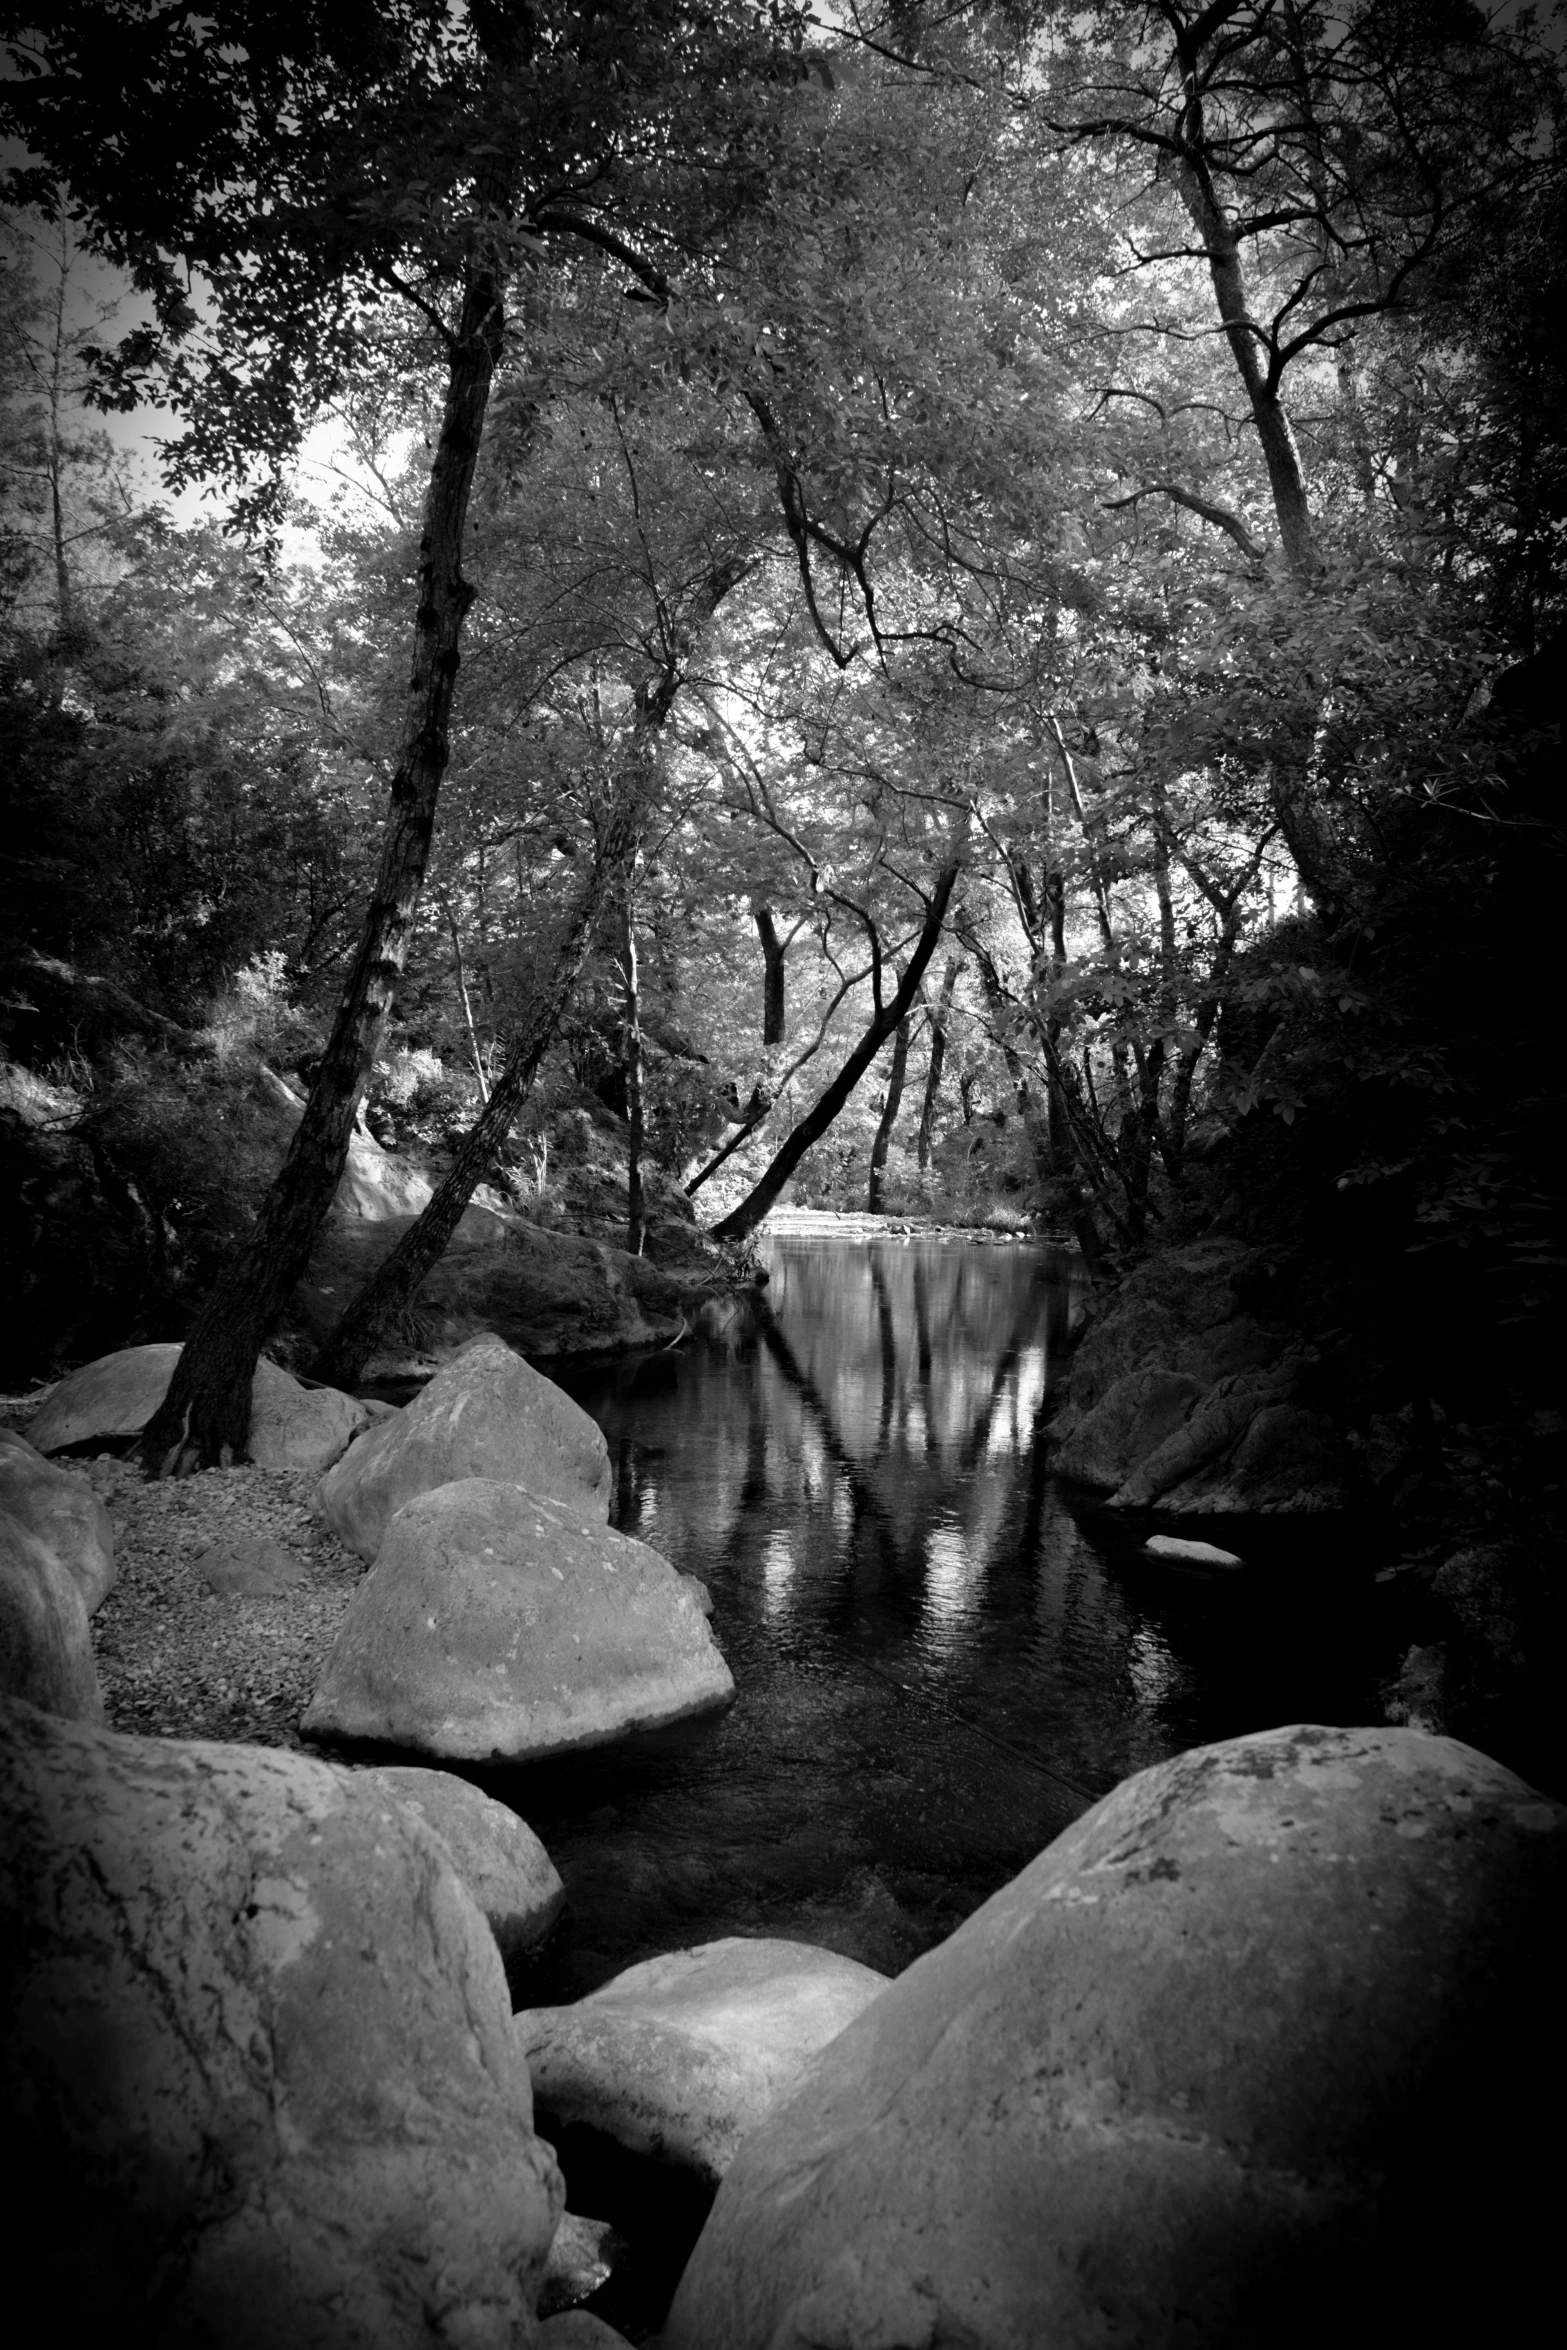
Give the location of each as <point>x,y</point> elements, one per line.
<point>487,1414</point>
<point>678,2058</point>
<point>259,2040</point>
<point>498,1627</point>
<point>291,1427</point>
<point>1254,2054</point>
<point>60,1510</point>
<point>497,1855</point>
<point>1197,1554</point>
<point>46,1653</point>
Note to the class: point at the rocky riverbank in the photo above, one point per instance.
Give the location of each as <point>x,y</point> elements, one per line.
<point>1293,1942</point>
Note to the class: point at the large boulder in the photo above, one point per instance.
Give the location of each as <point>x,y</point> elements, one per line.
<point>546,1293</point>
<point>1177,1399</point>
<point>677,2059</point>
<point>499,1627</point>
<point>111,1400</point>
<point>579,2329</point>
<point>1286,1462</point>
<point>61,1511</point>
<point>46,1655</point>
<point>1131,1420</point>
<point>487,1414</point>
<point>257,2043</point>
<point>496,1854</point>
<point>1256,2053</point>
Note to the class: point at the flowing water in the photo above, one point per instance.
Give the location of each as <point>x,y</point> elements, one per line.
<point>942,1656</point>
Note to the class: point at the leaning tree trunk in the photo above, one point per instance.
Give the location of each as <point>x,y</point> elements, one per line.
<point>391,1288</point>
<point>204,1420</point>
<point>745,1218</point>
<point>889,1118</point>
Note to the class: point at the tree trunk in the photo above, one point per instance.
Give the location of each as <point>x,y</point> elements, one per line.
<point>1280,451</point>
<point>474,1053</point>
<point>392,1287</point>
<point>810,1129</point>
<point>889,1118</point>
<point>631,1049</point>
<point>938,1055</point>
<point>204,1420</point>
<point>1028,1116</point>
<point>774,949</point>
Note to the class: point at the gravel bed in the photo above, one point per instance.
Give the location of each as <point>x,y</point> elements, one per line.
<point>175,1660</point>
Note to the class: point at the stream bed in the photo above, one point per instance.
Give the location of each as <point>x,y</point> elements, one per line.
<point>942,1656</point>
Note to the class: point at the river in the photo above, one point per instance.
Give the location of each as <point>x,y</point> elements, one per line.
<point>942,1656</point>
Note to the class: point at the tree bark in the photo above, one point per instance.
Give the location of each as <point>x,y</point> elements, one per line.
<point>774,949</point>
<point>204,1420</point>
<point>474,1053</point>
<point>391,1288</point>
<point>890,1107</point>
<point>810,1129</point>
<point>1028,1116</point>
<point>1280,450</point>
<point>631,1050</point>
<point>938,1055</point>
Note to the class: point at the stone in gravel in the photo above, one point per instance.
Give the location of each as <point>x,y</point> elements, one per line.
<point>486,1414</point>
<point>250,1566</point>
<point>496,1626</point>
<point>677,2059</point>
<point>262,2042</point>
<point>291,1427</point>
<point>1256,2052</point>
<point>61,1511</point>
<point>1197,1554</point>
<point>497,1855</point>
<point>46,1653</point>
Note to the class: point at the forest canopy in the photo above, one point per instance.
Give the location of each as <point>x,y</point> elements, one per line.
<point>955,607</point>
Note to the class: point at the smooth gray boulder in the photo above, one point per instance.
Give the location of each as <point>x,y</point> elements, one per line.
<point>496,1854</point>
<point>258,2038</point>
<point>497,1626</point>
<point>61,1511</point>
<point>291,1426</point>
<point>1256,2053</point>
<point>486,1414</point>
<point>677,2059</point>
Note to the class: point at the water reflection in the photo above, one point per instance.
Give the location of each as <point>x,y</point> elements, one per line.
<point>941,1659</point>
